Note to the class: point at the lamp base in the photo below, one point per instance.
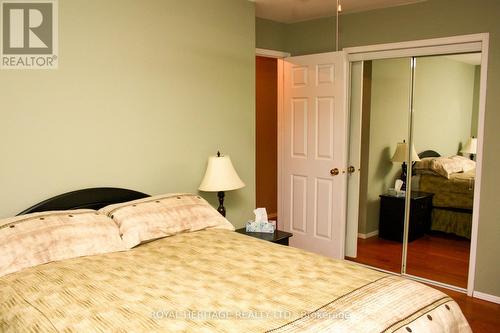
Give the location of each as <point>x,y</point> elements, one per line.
<point>403,176</point>
<point>404,171</point>
<point>221,209</point>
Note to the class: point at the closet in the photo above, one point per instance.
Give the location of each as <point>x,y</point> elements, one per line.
<point>413,137</point>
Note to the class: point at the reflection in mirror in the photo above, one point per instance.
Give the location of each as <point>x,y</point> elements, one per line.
<point>445,126</point>
<point>383,124</point>
<point>445,122</point>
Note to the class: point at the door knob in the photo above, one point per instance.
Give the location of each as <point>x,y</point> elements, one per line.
<point>351,169</point>
<point>334,172</point>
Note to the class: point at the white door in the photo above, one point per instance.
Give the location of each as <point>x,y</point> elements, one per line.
<point>314,150</point>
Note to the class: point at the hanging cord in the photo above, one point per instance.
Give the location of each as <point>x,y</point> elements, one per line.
<point>338,9</point>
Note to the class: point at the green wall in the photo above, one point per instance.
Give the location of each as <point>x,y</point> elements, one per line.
<point>306,38</point>
<point>297,38</point>
<point>272,35</point>
<point>443,108</point>
<point>390,86</point>
<point>475,101</point>
<point>432,19</point>
<point>144,93</point>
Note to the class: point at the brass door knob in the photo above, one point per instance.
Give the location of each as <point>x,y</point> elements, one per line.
<point>351,169</point>
<point>334,172</point>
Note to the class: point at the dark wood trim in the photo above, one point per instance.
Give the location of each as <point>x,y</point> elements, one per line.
<point>266,133</point>
<point>91,198</point>
<point>429,153</point>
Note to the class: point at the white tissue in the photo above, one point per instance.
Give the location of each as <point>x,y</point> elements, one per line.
<point>261,224</point>
<point>398,185</point>
<point>260,215</point>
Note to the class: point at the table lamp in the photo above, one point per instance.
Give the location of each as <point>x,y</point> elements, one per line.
<point>220,176</point>
<point>470,148</point>
<point>400,156</point>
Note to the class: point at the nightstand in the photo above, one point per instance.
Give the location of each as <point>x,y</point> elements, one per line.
<point>278,237</point>
<point>392,211</point>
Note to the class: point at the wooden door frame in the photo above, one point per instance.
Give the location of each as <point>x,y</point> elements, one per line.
<point>436,46</point>
<point>271,53</point>
<point>280,62</point>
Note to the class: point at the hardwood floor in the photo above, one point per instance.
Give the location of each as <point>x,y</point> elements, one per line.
<point>483,316</point>
<point>380,253</point>
<point>439,257</point>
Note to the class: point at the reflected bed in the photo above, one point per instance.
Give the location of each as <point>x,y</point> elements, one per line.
<point>453,196</point>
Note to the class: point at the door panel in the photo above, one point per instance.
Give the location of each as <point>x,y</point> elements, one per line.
<point>323,208</point>
<point>324,128</point>
<point>298,203</point>
<point>379,120</point>
<point>299,130</point>
<point>314,143</point>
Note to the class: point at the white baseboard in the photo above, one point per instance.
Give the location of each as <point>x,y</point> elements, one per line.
<point>486,297</point>
<point>368,235</point>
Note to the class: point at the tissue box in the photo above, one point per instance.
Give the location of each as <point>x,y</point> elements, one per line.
<point>267,227</point>
<point>396,193</point>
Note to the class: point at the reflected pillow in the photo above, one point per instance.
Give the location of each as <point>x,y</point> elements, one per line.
<point>424,164</point>
<point>466,163</point>
<point>163,215</point>
<point>445,166</point>
<point>34,239</point>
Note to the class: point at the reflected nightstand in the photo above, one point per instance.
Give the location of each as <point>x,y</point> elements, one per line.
<point>392,211</point>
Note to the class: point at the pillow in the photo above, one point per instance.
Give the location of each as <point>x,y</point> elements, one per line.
<point>424,163</point>
<point>445,166</point>
<point>466,163</point>
<point>163,215</point>
<point>34,239</point>
<point>423,167</point>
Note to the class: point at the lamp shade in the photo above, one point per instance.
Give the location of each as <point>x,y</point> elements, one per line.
<point>220,175</point>
<point>470,147</point>
<point>402,153</point>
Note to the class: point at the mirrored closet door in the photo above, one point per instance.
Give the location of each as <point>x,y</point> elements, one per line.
<point>380,91</point>
<point>413,129</point>
<point>445,119</point>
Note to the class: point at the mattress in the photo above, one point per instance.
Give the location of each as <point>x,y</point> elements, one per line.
<point>456,192</point>
<point>218,281</point>
<point>451,222</point>
<point>452,201</point>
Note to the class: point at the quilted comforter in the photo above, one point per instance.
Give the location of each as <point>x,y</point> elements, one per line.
<point>218,281</point>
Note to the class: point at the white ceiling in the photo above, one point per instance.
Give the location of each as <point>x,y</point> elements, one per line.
<point>289,11</point>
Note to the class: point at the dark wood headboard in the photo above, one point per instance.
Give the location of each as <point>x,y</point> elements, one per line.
<point>90,198</point>
<point>428,153</point>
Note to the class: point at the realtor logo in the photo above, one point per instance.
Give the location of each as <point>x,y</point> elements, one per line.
<point>29,34</point>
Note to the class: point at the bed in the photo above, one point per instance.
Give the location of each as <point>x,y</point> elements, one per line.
<point>453,196</point>
<point>209,280</point>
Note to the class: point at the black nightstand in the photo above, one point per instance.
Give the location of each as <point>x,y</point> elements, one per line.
<point>278,237</point>
<point>392,211</point>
